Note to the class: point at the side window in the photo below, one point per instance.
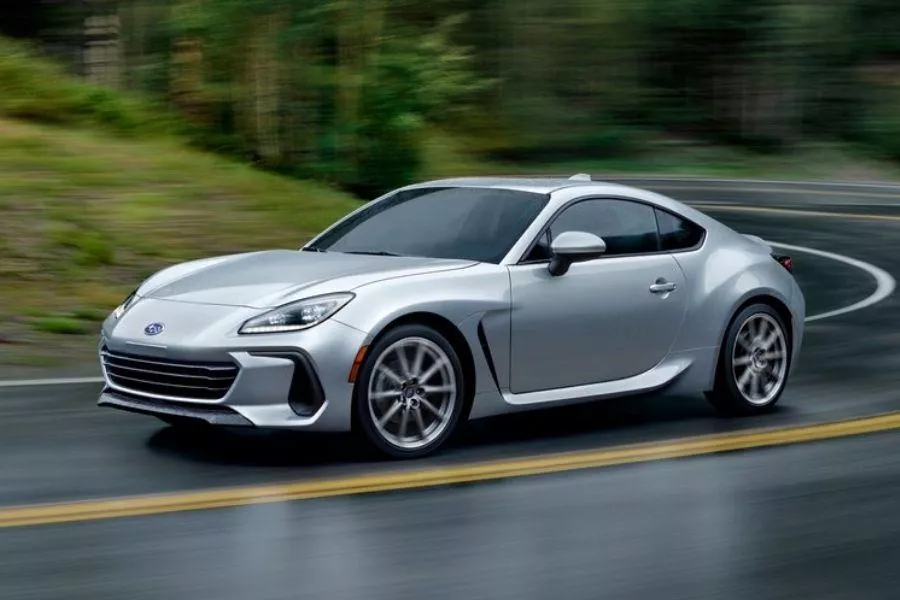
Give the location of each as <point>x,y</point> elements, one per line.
<point>626,227</point>
<point>541,249</point>
<point>675,233</point>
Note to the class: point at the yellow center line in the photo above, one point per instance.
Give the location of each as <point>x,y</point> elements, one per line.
<point>793,211</point>
<point>90,510</point>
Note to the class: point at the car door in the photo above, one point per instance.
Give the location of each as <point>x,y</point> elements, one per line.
<point>605,319</point>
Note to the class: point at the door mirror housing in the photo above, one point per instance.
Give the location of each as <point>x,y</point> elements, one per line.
<point>574,246</point>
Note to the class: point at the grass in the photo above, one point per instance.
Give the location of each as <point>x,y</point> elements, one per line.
<point>61,325</point>
<point>86,216</point>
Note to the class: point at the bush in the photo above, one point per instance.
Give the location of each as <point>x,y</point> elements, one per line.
<point>36,89</point>
<point>61,325</point>
<point>880,130</point>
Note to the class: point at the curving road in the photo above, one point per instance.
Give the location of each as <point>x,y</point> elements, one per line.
<point>811,520</point>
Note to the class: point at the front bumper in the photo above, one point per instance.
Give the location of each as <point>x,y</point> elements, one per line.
<point>297,380</point>
<point>214,415</point>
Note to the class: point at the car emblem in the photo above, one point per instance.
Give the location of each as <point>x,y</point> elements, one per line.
<point>154,329</point>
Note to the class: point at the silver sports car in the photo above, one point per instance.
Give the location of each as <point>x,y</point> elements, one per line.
<point>460,299</point>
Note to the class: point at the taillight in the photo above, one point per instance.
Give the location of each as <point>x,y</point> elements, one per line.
<point>785,261</point>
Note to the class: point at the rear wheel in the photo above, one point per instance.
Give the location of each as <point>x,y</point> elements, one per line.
<point>754,362</point>
<point>410,392</point>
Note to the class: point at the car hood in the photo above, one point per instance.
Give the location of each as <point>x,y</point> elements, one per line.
<point>272,278</point>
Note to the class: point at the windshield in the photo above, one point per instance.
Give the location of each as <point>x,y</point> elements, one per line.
<point>478,224</point>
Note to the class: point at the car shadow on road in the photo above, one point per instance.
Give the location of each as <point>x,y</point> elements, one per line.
<point>579,427</point>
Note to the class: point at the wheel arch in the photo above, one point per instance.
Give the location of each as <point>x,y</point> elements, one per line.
<point>759,297</point>
<point>453,335</point>
<point>772,301</point>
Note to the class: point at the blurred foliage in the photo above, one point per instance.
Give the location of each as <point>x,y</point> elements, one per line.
<point>347,90</point>
<point>37,89</point>
<point>61,325</point>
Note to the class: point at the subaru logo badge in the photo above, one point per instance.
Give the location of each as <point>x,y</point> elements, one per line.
<point>154,329</point>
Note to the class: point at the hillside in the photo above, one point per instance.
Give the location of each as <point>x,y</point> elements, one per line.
<point>86,216</point>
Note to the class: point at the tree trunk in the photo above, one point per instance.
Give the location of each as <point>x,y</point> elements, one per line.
<point>101,54</point>
<point>267,88</point>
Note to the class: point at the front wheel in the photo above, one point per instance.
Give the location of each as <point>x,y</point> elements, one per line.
<point>754,362</point>
<point>410,392</point>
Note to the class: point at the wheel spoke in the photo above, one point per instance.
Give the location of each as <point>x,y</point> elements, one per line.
<point>438,389</point>
<point>770,341</point>
<point>404,419</point>
<point>390,413</point>
<point>417,361</point>
<point>419,421</point>
<point>762,330</point>
<point>773,355</point>
<point>389,373</point>
<point>743,361</point>
<point>754,385</point>
<point>404,361</point>
<point>432,370</point>
<point>744,379</point>
<point>384,394</point>
<point>744,344</point>
<point>431,408</point>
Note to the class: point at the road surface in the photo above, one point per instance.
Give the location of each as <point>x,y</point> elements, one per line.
<point>815,519</point>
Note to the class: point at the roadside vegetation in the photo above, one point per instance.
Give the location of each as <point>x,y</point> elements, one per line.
<point>86,215</point>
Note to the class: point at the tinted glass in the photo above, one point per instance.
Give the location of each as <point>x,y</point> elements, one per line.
<point>541,249</point>
<point>467,223</point>
<point>675,233</point>
<point>626,227</point>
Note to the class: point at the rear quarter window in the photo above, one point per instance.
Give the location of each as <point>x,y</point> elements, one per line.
<point>676,233</point>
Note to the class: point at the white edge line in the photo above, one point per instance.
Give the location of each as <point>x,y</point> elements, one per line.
<point>885,285</point>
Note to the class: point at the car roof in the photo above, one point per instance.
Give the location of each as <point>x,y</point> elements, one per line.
<point>565,189</point>
<point>537,185</point>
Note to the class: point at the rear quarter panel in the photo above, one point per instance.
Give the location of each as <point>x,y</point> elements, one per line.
<point>727,271</point>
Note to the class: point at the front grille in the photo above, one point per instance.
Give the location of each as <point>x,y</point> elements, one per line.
<point>164,377</point>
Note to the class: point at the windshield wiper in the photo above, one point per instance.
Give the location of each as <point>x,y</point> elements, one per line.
<point>312,249</point>
<point>372,252</point>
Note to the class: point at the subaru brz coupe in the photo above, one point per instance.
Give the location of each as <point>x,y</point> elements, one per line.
<point>460,299</point>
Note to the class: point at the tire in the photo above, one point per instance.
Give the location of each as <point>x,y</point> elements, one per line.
<point>409,409</point>
<point>754,363</point>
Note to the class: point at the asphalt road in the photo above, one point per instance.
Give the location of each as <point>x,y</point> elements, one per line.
<point>813,520</point>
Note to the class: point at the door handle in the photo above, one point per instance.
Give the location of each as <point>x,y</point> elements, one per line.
<point>662,287</point>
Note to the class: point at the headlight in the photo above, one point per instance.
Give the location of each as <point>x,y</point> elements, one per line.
<point>126,304</point>
<point>295,316</point>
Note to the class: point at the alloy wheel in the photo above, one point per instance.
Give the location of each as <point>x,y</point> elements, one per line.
<point>412,393</point>
<point>759,359</point>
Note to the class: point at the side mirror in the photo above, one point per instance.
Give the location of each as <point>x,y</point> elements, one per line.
<point>574,246</point>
